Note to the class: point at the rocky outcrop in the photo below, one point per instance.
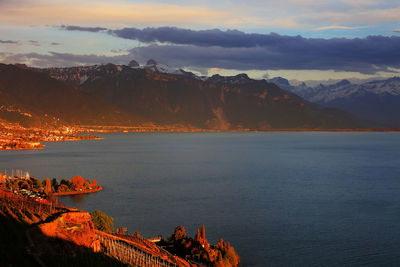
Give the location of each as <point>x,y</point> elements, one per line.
<point>76,227</point>
<point>199,250</point>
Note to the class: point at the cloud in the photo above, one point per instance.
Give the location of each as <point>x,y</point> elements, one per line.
<point>229,38</point>
<point>109,13</point>
<point>336,28</point>
<point>213,37</point>
<point>8,42</point>
<point>265,51</point>
<point>85,29</point>
<point>55,43</point>
<point>364,56</point>
<point>260,14</point>
<point>240,51</point>
<point>54,59</point>
<point>354,16</point>
<point>396,30</point>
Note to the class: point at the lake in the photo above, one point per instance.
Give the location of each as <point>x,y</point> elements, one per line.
<point>281,199</point>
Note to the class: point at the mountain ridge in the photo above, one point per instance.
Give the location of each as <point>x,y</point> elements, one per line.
<point>124,95</point>
<point>377,100</point>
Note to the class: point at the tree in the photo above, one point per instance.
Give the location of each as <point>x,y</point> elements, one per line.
<point>203,231</point>
<point>77,182</point>
<point>179,234</point>
<point>102,221</point>
<point>197,237</point>
<point>86,184</point>
<point>35,183</point>
<point>47,186</point>
<point>63,188</point>
<point>136,234</point>
<point>54,184</point>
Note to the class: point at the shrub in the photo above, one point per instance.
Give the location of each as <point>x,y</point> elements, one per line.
<point>102,221</point>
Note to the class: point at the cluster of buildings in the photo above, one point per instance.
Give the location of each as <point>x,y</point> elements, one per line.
<point>13,136</point>
<point>16,177</point>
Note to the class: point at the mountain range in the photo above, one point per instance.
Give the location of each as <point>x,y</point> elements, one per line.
<point>135,95</point>
<point>377,101</point>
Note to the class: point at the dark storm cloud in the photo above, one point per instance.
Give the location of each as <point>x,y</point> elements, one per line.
<point>272,41</point>
<point>368,61</point>
<point>242,51</point>
<point>239,50</point>
<point>366,57</point>
<point>234,49</point>
<point>84,29</point>
<point>214,37</point>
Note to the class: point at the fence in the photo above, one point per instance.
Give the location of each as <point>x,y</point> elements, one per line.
<point>17,203</point>
<point>128,253</point>
<point>136,252</point>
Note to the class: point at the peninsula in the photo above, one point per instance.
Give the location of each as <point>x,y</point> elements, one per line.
<point>30,214</point>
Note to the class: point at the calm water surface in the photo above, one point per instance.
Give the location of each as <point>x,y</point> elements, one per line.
<point>281,199</point>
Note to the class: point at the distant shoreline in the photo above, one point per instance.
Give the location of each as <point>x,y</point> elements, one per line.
<point>42,146</point>
<point>13,149</point>
<point>122,129</point>
<point>125,130</point>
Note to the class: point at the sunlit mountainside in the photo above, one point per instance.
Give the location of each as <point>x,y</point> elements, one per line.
<point>377,100</point>
<point>122,95</point>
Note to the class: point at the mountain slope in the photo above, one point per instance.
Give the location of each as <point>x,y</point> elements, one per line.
<point>35,99</point>
<point>375,101</point>
<point>224,103</point>
<point>128,96</point>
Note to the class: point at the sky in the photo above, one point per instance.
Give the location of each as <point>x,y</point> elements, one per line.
<point>295,39</point>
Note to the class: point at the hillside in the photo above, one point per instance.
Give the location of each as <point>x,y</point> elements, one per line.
<point>121,95</point>
<point>35,99</point>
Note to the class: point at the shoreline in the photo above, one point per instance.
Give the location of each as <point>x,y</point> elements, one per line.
<point>129,130</point>
<point>72,140</point>
<point>31,148</point>
<point>239,130</point>
<point>78,192</point>
<point>88,129</point>
<point>42,146</point>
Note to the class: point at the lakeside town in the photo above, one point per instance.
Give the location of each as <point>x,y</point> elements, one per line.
<point>14,137</point>
<point>21,183</point>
